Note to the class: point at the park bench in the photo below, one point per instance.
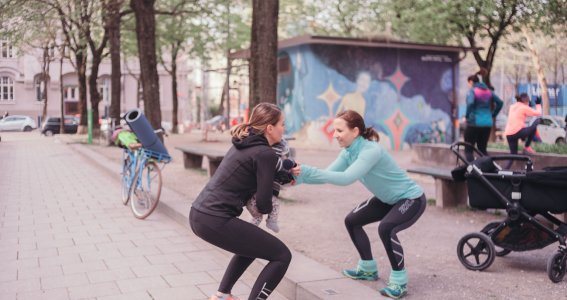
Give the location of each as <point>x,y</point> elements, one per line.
<point>193,158</point>
<point>448,192</point>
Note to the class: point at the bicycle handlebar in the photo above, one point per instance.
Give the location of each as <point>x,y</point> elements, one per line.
<point>161,131</point>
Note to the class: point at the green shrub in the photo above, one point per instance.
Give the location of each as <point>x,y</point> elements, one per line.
<point>538,147</point>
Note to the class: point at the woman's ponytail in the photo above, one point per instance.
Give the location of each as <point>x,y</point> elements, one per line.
<point>262,115</point>
<point>371,134</point>
<point>240,131</point>
<point>355,120</point>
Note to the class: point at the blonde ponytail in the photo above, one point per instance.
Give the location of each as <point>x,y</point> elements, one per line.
<point>262,115</point>
<point>240,131</point>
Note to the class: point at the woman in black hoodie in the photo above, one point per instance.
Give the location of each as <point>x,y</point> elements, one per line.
<point>248,168</point>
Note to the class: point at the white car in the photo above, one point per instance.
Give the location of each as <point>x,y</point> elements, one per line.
<point>551,129</point>
<point>17,123</point>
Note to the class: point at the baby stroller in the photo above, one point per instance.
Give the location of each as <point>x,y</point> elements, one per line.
<point>528,196</point>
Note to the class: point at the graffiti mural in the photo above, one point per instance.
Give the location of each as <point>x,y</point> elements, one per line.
<point>404,94</point>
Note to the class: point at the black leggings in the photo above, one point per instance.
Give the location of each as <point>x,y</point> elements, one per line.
<point>247,242</point>
<point>526,133</point>
<point>394,218</point>
<point>476,136</point>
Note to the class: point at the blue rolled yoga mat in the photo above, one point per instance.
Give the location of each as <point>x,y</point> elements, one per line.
<point>144,131</point>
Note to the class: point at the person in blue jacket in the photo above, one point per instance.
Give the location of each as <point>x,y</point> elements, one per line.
<point>397,201</point>
<point>483,105</point>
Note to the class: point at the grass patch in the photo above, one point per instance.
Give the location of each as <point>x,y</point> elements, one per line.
<point>463,208</point>
<point>203,172</point>
<point>538,147</point>
<point>286,200</point>
<point>431,201</point>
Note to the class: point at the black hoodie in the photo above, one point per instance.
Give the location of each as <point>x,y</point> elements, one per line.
<point>248,168</point>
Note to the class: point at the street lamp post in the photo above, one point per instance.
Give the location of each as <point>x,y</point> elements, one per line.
<point>238,99</point>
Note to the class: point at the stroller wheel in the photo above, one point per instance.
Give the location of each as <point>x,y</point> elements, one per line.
<point>476,251</point>
<point>488,230</point>
<point>556,266</point>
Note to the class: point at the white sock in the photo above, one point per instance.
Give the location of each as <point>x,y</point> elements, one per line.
<point>222,296</point>
<point>273,225</point>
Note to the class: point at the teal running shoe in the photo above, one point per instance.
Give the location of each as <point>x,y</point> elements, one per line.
<point>359,274</point>
<point>394,291</point>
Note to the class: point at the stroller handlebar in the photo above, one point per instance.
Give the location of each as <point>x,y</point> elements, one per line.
<point>456,147</point>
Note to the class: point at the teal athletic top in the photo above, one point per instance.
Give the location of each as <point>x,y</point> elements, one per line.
<point>368,162</point>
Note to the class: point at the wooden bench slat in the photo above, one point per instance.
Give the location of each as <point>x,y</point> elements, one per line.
<point>435,172</point>
<point>203,152</point>
<point>447,191</point>
<point>193,158</point>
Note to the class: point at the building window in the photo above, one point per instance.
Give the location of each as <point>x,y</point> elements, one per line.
<point>40,88</point>
<point>6,89</point>
<point>104,90</point>
<point>71,93</point>
<point>6,49</point>
<point>71,108</point>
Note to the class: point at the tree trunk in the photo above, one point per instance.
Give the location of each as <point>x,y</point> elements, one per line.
<point>113,23</point>
<point>226,90</point>
<point>175,99</point>
<point>45,80</point>
<point>145,31</point>
<point>263,51</point>
<point>93,89</point>
<point>139,92</point>
<point>96,51</point>
<point>539,70</point>
<point>62,113</point>
<point>81,62</point>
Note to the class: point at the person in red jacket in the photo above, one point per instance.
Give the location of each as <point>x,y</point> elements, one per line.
<point>515,127</point>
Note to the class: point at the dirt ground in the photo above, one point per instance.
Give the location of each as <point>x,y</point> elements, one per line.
<point>311,222</point>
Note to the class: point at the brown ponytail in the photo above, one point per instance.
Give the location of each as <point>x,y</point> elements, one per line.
<point>355,120</point>
<point>371,134</point>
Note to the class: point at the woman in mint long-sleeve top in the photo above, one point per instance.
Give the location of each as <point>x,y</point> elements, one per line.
<point>397,200</point>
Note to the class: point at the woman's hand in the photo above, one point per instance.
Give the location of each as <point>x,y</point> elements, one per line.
<point>296,171</point>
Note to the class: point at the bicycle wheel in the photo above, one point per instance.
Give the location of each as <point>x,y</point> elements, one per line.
<point>126,180</point>
<point>145,191</point>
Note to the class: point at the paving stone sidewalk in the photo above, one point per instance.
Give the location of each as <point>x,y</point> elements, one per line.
<point>311,227</point>
<point>64,234</point>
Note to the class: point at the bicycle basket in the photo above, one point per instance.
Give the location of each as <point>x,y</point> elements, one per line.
<point>161,157</point>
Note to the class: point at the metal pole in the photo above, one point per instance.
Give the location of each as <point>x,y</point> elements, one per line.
<point>90,125</point>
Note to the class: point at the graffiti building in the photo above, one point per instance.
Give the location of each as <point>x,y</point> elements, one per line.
<point>406,91</point>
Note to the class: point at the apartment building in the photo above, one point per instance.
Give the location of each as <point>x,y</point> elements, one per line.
<point>21,90</point>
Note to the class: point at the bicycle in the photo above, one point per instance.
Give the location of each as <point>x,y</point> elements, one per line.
<point>141,179</point>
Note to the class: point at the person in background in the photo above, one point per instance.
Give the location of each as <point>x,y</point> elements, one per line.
<point>483,105</point>
<point>396,202</point>
<point>515,127</point>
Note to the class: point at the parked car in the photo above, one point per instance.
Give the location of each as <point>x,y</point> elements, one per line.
<point>551,129</point>
<point>17,123</point>
<point>52,125</point>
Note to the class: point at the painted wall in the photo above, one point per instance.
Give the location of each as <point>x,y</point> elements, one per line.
<point>404,94</point>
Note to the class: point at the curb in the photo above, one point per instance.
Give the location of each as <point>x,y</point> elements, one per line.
<point>305,278</point>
